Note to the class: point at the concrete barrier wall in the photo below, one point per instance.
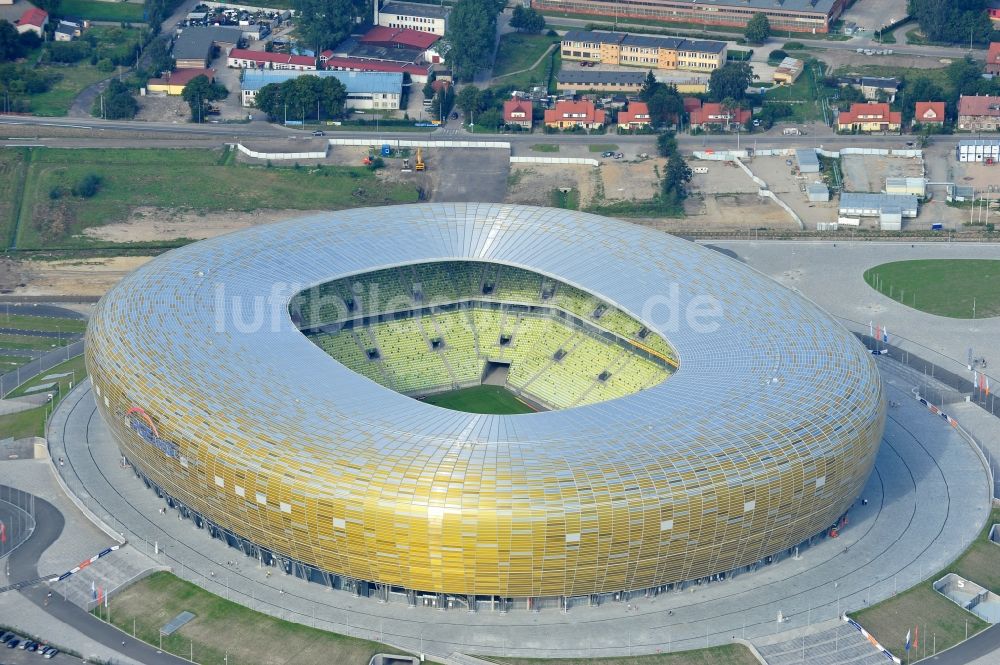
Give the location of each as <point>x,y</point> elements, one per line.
<point>413,143</point>
<point>554,160</point>
<point>280,155</point>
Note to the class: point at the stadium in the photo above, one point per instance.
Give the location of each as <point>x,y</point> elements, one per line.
<point>483,404</point>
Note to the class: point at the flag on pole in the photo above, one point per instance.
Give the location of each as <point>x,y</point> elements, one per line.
<point>871,330</point>
<point>3,532</point>
<point>908,641</point>
<point>105,601</point>
<point>878,333</point>
<point>100,595</point>
<point>916,637</point>
<point>987,386</point>
<point>975,379</point>
<point>93,589</point>
<point>885,334</point>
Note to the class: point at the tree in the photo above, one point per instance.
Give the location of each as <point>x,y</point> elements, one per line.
<point>674,187</point>
<point>87,186</point>
<point>469,101</point>
<point>666,144</point>
<point>199,92</point>
<point>116,102</point>
<point>325,23</point>
<point>954,21</point>
<point>731,81</point>
<point>10,45</point>
<point>758,29</point>
<point>158,58</point>
<point>305,96</point>
<point>918,90</point>
<point>472,33</point>
<point>665,104</point>
<point>527,20</point>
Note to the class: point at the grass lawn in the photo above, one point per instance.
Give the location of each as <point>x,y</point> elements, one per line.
<point>981,562</point>
<point>603,147</point>
<point>13,167</point>
<point>193,179</point>
<point>518,51</point>
<point>57,100</point>
<point>946,287</point>
<point>545,147</point>
<point>803,95</point>
<point>41,323</point>
<point>221,627</point>
<point>74,368</point>
<point>481,399</point>
<point>9,363</point>
<point>29,342</point>
<point>730,654</point>
<point>567,200</point>
<point>96,10</point>
<point>23,423</point>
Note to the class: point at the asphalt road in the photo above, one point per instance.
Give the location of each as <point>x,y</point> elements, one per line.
<point>49,524</point>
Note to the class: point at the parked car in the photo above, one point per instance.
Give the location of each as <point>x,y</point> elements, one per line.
<point>607,154</point>
<point>319,133</point>
<point>51,653</point>
<point>13,643</point>
<point>618,155</point>
<point>454,115</point>
<point>756,122</point>
<point>24,644</point>
<point>32,646</point>
<point>42,648</point>
<point>6,637</point>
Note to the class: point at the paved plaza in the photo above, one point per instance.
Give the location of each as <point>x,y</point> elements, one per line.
<point>926,500</point>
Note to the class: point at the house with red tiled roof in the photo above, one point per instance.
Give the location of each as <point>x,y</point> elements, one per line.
<point>172,83</point>
<point>929,113</point>
<point>870,117</point>
<point>399,38</point>
<point>993,58</point>
<point>636,116</point>
<point>715,115</point>
<point>418,73</point>
<point>247,59</point>
<point>979,113</point>
<point>517,111</point>
<point>570,114</point>
<point>33,20</point>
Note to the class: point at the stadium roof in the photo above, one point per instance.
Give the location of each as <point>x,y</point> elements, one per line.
<point>355,82</point>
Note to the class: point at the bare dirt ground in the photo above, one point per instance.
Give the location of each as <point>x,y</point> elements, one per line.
<point>867,173</point>
<point>791,188</point>
<point>637,180</point>
<point>722,178</point>
<point>70,277</point>
<point>532,184</point>
<point>148,224</point>
<point>731,212</point>
<point>154,108</point>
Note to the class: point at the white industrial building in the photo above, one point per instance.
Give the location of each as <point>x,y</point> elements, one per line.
<point>915,186</point>
<point>978,150</point>
<point>890,218</point>
<point>365,90</point>
<point>807,159</point>
<point>817,192</point>
<point>415,16</point>
<point>867,204</point>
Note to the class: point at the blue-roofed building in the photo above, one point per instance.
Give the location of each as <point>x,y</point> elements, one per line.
<point>365,90</point>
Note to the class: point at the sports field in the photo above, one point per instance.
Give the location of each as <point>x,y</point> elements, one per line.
<point>480,399</point>
<point>957,288</point>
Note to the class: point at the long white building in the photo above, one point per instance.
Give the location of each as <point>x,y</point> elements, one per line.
<point>365,90</point>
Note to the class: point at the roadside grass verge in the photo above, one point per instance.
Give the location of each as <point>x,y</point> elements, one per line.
<point>24,423</point>
<point>57,100</point>
<point>545,147</point>
<point>42,323</point>
<point>13,167</point>
<point>223,631</point>
<point>29,342</point>
<point>603,147</point>
<point>75,370</point>
<point>96,10</point>
<point>187,179</point>
<point>729,654</point>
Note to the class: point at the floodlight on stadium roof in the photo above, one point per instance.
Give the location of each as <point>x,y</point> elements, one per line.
<point>761,439</point>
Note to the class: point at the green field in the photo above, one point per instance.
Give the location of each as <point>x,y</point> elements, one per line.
<point>946,287</point>
<point>29,342</point>
<point>13,167</point>
<point>730,654</point>
<point>481,399</point>
<point>566,200</point>
<point>74,367</point>
<point>545,147</point>
<point>803,95</point>
<point>41,323</point>
<point>519,51</point>
<point>59,98</point>
<point>195,179</point>
<point>32,421</point>
<point>225,632</point>
<point>96,10</point>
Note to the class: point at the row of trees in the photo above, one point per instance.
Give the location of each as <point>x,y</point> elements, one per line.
<point>472,30</point>
<point>14,45</point>
<point>302,98</point>
<point>955,21</point>
<point>526,19</point>
<point>116,102</point>
<point>325,23</point>
<point>199,94</point>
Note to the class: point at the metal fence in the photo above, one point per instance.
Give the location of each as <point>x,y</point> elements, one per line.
<point>17,517</point>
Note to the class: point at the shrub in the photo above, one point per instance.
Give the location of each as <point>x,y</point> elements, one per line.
<point>87,186</point>
<point>105,65</point>
<point>794,46</point>
<point>777,54</point>
<point>377,163</point>
<point>55,193</point>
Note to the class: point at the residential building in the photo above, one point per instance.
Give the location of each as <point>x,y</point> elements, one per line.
<point>993,7</point>
<point>870,117</point>
<point>873,87</point>
<point>600,81</point>
<point>419,73</point>
<point>929,113</point>
<point>636,116</point>
<point>787,71</point>
<point>993,59</point>
<point>414,16</point>
<point>983,151</point>
<point>620,48</point>
<point>979,113</point>
<point>172,83</point>
<point>714,116</point>
<point>784,15</point>
<point>33,20</point>
<point>868,204</point>
<point>195,46</point>
<point>365,90</point>
<point>247,59</point>
<point>569,115</point>
<point>517,111</point>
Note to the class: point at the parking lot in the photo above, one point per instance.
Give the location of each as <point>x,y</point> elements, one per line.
<point>19,656</point>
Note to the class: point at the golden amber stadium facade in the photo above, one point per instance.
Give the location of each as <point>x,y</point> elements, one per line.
<point>762,438</point>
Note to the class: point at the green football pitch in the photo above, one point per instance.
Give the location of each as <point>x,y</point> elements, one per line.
<point>957,288</point>
<point>480,399</point>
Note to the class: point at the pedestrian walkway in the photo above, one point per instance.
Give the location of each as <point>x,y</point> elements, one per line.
<point>838,645</point>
